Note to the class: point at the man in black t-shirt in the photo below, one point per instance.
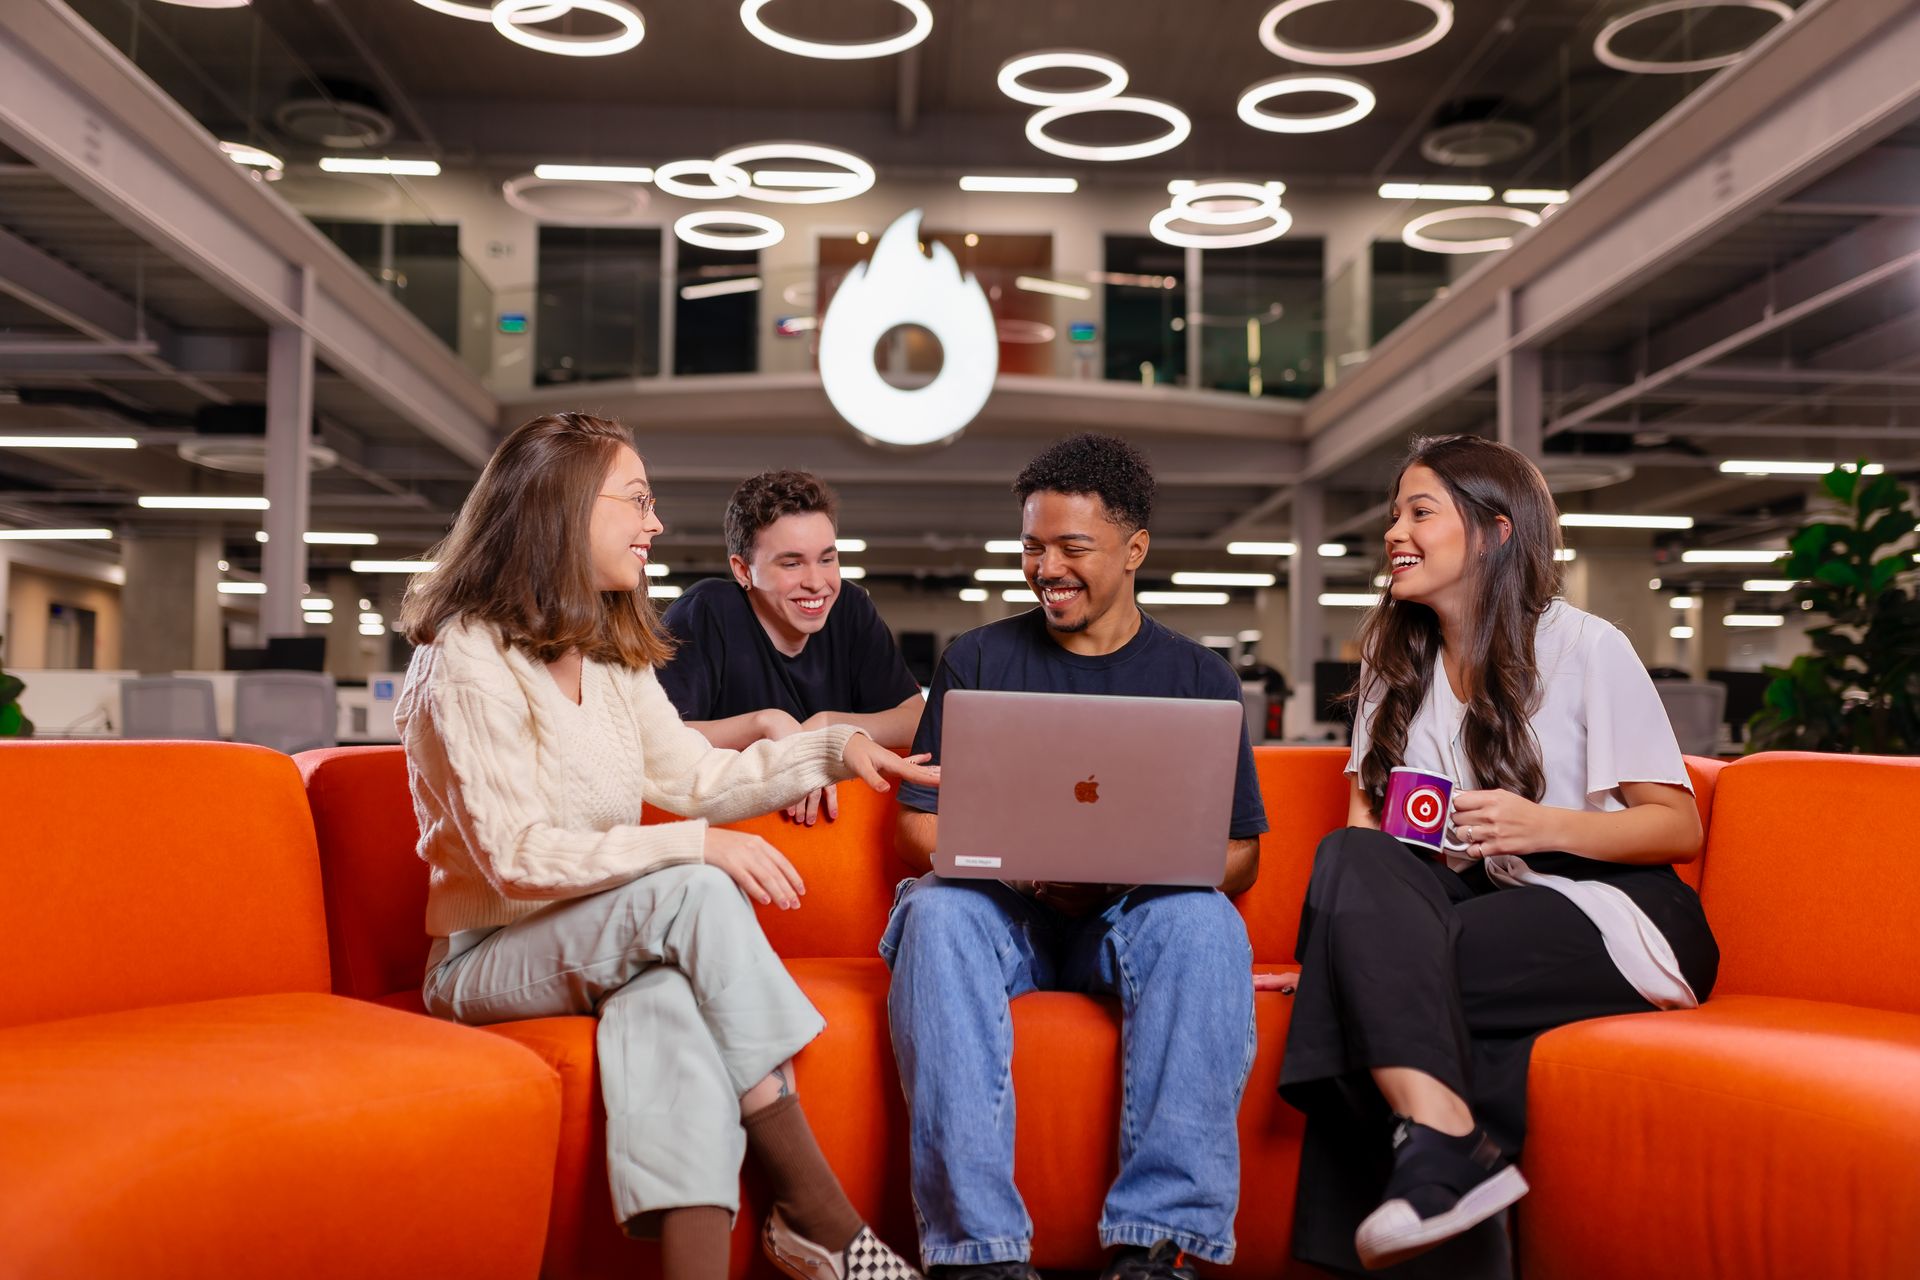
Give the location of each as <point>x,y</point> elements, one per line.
<point>785,645</point>
<point>1177,958</point>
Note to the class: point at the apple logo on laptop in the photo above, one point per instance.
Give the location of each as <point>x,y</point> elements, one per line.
<point>1087,792</point>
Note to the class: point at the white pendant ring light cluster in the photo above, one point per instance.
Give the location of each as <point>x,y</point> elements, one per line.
<point>625,201</point>
<point>839,50</point>
<point>1313,55</point>
<point>1361,104</point>
<point>1189,205</point>
<point>1026,64</point>
<point>1603,43</point>
<point>509,16</point>
<point>1415,236</point>
<point>765,234</point>
<point>1178,129</point>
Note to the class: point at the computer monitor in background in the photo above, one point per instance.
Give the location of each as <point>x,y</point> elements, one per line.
<point>244,660</point>
<point>296,653</point>
<point>1332,681</point>
<point>1746,694</point>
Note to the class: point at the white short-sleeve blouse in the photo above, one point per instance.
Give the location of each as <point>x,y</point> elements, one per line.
<point>1599,723</point>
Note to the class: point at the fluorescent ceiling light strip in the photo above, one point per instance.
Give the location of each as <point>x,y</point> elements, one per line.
<point>661,591</point>
<point>1433,191</point>
<point>1348,599</point>
<point>1005,546</point>
<point>69,442</point>
<point>1019,595</point>
<point>1058,288</point>
<point>1533,195</point>
<point>320,539</point>
<point>1185,579</point>
<point>1025,186</point>
<point>1184,597</point>
<point>394,566</point>
<point>382,165</point>
<point>203,504</point>
<point>657,570</point>
<point>1771,584</point>
<point>55,535</point>
<point>850,544</point>
<point>1753,620</point>
<point>1260,548</point>
<point>1332,550</point>
<point>241,588</point>
<point>1680,633</point>
<point>372,629</point>
<point>1747,467</point>
<point>1681,602</point>
<point>974,595</point>
<point>720,288</point>
<point>370,616</point>
<point>999,575</point>
<point>1731,557</point>
<point>317,604</point>
<point>1588,520</point>
<point>1564,554</point>
<point>593,173</point>
<point>318,618</point>
<point>852,572</point>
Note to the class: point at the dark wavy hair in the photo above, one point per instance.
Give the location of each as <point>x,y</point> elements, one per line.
<point>1510,584</point>
<point>1105,466</point>
<point>762,499</point>
<point>519,557</point>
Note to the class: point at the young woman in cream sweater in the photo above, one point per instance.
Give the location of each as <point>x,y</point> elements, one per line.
<point>535,729</point>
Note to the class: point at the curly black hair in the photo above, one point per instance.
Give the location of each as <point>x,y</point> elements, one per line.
<point>1105,466</point>
<point>764,498</point>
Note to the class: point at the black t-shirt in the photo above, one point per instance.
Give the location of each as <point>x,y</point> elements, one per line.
<point>727,666</point>
<point>1017,653</point>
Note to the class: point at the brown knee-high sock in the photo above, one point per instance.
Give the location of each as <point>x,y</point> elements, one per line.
<point>694,1242</point>
<point>807,1194</point>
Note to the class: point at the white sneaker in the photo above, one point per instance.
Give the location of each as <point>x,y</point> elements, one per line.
<point>867,1258</point>
<point>1426,1165</point>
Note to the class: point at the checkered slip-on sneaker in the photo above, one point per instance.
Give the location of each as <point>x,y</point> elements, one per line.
<point>867,1258</point>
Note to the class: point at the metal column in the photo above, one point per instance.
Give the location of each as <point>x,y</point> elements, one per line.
<point>1518,388</point>
<point>289,431</point>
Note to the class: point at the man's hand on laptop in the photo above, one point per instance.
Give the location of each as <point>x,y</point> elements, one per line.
<point>1076,899</point>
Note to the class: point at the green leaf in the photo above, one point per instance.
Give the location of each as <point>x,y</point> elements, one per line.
<point>13,723</point>
<point>1838,572</point>
<point>1840,484</point>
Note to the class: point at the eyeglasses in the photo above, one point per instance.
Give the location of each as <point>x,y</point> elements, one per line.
<point>644,503</point>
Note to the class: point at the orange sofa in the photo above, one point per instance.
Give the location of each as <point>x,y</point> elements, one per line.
<point>180,1095</point>
<point>1666,1147</point>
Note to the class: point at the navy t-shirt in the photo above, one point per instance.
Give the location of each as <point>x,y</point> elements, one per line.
<point>727,666</point>
<point>1017,653</point>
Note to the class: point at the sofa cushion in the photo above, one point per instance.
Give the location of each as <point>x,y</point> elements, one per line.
<point>142,873</point>
<point>1811,882</point>
<point>1305,792</point>
<point>291,1136</point>
<point>1754,1136</point>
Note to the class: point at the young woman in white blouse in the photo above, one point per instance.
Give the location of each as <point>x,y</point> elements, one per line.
<point>535,729</point>
<point>1425,980</point>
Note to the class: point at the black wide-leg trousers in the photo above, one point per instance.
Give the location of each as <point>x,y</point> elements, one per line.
<point>1405,963</point>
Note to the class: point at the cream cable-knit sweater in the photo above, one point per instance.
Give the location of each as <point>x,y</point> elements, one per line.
<point>526,798</point>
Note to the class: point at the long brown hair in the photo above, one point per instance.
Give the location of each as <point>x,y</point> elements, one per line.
<point>519,556</point>
<point>1510,584</point>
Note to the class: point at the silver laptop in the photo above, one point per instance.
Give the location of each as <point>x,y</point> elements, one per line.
<point>1086,789</point>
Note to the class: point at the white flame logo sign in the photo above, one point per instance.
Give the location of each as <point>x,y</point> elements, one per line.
<point>902,286</point>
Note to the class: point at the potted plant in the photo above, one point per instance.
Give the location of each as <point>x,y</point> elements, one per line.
<point>13,721</point>
<point>1859,690</point>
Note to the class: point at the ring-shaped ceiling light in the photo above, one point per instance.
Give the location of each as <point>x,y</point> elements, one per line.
<point>1415,237</point>
<point>1178,128</point>
<point>1188,202</point>
<point>508,15</point>
<point>1162,222</point>
<point>209,4</point>
<point>858,178</point>
<point>484,12</point>
<point>838,49</point>
<point>624,201</point>
<point>766,233</point>
<point>1314,55</point>
<point>1603,43</point>
<point>724,181</point>
<point>1361,104</point>
<point>1026,64</point>
<point>265,164</point>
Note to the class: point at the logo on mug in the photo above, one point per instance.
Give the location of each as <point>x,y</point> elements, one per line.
<point>1426,808</point>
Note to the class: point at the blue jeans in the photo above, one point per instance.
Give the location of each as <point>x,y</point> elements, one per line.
<point>1179,961</point>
